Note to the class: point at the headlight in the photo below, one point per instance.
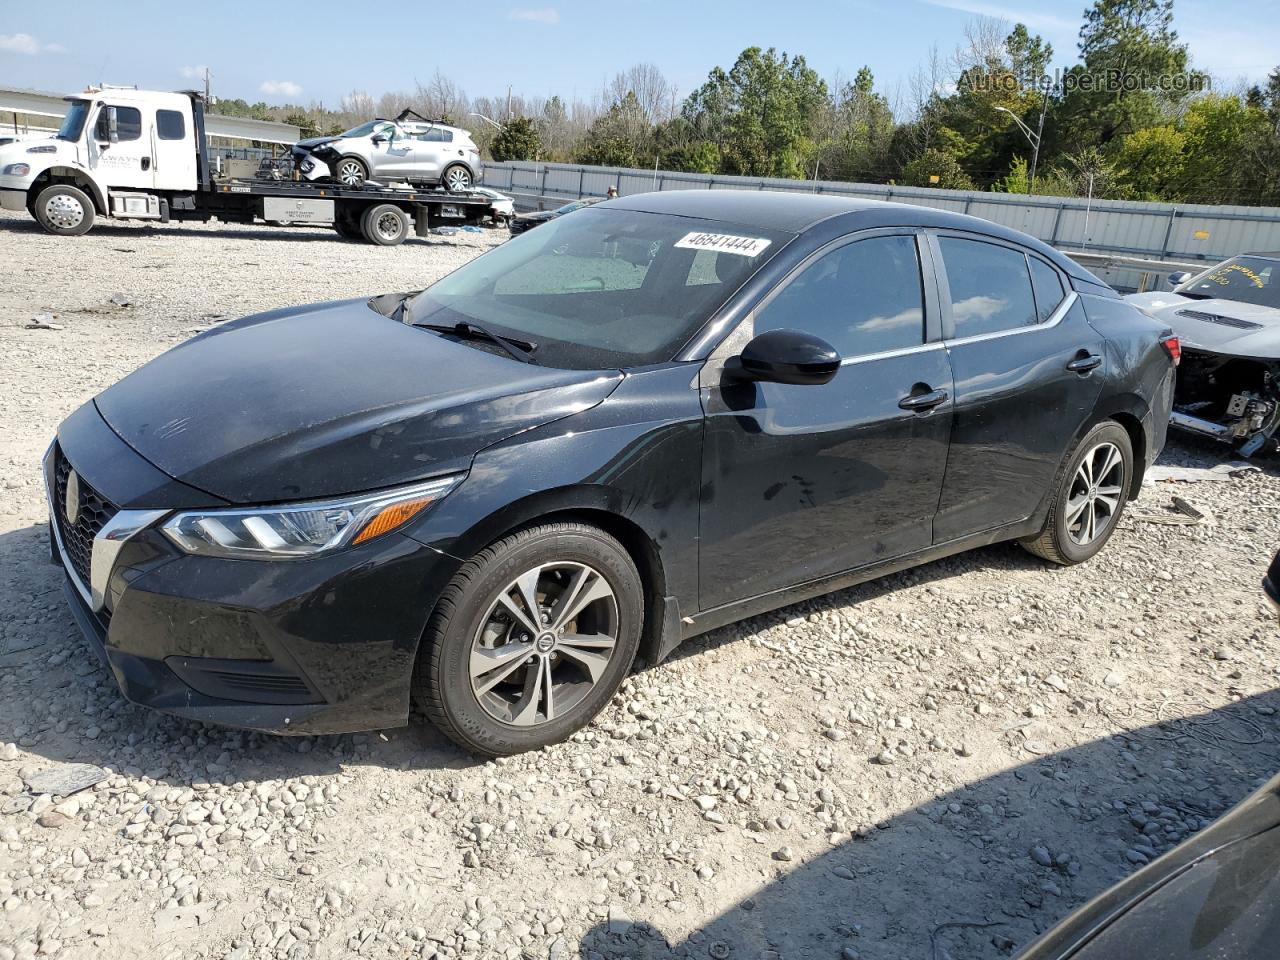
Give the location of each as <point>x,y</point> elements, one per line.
<point>16,170</point>
<point>307,166</point>
<point>302,530</point>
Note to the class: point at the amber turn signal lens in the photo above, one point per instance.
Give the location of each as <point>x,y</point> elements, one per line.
<point>388,518</point>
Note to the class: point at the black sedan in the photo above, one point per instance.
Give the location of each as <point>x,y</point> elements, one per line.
<point>647,419</point>
<point>527,221</point>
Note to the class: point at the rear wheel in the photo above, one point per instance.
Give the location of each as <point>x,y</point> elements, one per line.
<point>64,210</point>
<point>1091,494</point>
<point>530,639</point>
<point>351,171</point>
<point>456,178</point>
<point>385,224</point>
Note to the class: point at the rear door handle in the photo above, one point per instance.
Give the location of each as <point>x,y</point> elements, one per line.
<point>921,402</point>
<point>1085,364</point>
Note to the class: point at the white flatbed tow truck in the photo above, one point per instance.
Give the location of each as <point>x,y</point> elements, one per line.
<point>134,154</point>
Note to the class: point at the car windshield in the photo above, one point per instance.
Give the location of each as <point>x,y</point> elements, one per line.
<point>73,122</point>
<point>1247,279</point>
<point>363,130</point>
<point>603,288</point>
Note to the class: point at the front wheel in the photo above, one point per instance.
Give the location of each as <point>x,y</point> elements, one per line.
<point>350,171</point>
<point>1091,494</point>
<point>530,639</point>
<point>457,179</point>
<point>64,210</point>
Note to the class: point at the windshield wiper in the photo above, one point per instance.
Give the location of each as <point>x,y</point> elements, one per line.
<point>522,350</point>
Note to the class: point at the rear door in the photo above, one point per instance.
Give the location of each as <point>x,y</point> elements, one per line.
<point>174,151</point>
<point>1028,370</point>
<point>800,482</point>
<point>430,151</point>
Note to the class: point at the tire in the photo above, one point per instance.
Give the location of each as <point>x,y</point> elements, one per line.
<point>350,171</point>
<point>499,714</point>
<point>1066,538</point>
<point>385,224</point>
<point>457,178</point>
<point>64,210</point>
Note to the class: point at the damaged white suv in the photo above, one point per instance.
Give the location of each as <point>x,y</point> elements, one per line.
<point>409,148</point>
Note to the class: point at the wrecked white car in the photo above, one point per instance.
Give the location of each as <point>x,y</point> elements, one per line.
<point>1228,321</point>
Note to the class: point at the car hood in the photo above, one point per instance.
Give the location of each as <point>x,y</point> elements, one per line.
<point>331,399</point>
<point>1216,326</point>
<point>314,142</point>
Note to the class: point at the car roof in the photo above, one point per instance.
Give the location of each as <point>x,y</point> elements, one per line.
<point>795,212</point>
<point>1273,255</point>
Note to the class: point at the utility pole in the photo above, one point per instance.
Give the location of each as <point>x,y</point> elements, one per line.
<point>508,103</point>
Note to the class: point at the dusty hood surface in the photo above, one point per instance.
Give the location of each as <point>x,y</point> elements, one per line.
<point>1219,326</point>
<point>330,399</point>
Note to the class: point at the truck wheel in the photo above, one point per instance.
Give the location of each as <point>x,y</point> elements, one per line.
<point>351,171</point>
<point>385,224</point>
<point>64,210</point>
<point>456,179</point>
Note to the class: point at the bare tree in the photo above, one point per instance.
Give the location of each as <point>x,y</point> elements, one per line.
<point>441,97</point>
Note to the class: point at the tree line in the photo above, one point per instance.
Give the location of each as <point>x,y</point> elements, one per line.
<point>1130,119</point>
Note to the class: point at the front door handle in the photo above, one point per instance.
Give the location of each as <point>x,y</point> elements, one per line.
<point>1084,364</point>
<point>920,402</point>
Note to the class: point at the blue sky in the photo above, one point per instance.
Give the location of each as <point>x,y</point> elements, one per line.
<point>319,50</point>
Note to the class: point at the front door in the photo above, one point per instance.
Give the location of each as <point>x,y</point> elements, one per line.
<point>393,155</point>
<point>1028,370</point>
<point>800,482</point>
<point>126,162</point>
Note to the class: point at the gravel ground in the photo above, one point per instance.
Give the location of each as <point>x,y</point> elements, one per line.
<point>984,740</point>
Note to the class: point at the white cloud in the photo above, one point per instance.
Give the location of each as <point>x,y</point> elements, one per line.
<point>280,88</point>
<point>193,73</point>
<point>25,43</point>
<point>1034,19</point>
<point>546,15</point>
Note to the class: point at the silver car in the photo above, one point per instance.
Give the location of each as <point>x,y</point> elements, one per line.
<point>1227,320</point>
<point>409,148</point>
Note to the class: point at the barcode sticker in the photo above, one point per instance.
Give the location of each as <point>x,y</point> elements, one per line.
<point>723,243</point>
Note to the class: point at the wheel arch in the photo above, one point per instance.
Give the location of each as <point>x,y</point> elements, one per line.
<point>1131,412</point>
<point>72,176</point>
<point>368,167</point>
<point>595,506</point>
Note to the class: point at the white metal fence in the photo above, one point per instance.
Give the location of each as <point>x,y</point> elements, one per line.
<point>1161,231</point>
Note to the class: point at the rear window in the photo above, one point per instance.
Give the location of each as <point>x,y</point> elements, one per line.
<point>990,287</point>
<point>170,125</point>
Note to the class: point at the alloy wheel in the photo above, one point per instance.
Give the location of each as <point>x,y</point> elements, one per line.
<point>351,173</point>
<point>458,178</point>
<point>544,643</point>
<point>1094,498</point>
<point>64,212</point>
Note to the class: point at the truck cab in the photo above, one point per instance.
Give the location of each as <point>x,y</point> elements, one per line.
<point>119,152</point>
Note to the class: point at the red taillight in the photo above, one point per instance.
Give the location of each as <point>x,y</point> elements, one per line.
<point>1174,347</point>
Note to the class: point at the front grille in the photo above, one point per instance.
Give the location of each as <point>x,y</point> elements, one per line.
<point>1220,319</point>
<point>94,512</point>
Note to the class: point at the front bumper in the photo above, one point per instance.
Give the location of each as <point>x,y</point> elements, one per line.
<point>13,194</point>
<point>325,645</point>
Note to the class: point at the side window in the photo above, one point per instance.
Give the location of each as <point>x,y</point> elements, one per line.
<point>990,287</point>
<point>1048,287</point>
<point>170,125</point>
<point>864,297</point>
<point>128,124</point>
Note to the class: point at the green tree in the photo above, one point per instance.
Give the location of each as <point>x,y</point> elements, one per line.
<point>306,126</point>
<point>861,132</point>
<point>1230,152</point>
<point>1151,162</point>
<point>620,137</point>
<point>760,114</point>
<point>517,140</point>
<point>936,168</point>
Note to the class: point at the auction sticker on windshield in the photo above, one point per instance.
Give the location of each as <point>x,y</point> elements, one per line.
<point>723,243</point>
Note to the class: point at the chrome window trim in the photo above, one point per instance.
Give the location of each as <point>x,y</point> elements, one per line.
<point>1055,318</point>
<point>115,533</point>
<point>886,354</point>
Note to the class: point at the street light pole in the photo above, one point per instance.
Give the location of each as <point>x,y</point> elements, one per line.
<point>1032,137</point>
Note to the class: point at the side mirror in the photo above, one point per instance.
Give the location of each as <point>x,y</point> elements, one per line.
<point>786,356</point>
<point>113,127</point>
<point>378,138</point>
<point>1179,277</point>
